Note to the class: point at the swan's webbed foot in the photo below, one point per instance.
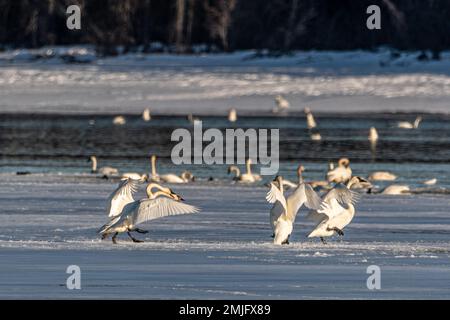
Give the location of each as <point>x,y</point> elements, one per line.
<point>286,241</point>
<point>114,238</point>
<point>323,240</point>
<point>134,239</point>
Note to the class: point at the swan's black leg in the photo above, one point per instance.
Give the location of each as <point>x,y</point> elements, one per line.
<point>104,236</point>
<point>134,239</point>
<point>139,230</point>
<point>323,240</point>
<point>338,231</point>
<point>114,238</point>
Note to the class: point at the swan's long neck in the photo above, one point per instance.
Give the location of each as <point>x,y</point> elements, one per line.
<point>153,195</point>
<point>249,169</point>
<point>154,166</point>
<point>416,123</point>
<point>94,164</point>
<point>236,171</point>
<point>300,176</point>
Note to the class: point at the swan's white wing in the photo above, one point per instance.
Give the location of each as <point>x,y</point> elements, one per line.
<point>342,195</point>
<point>149,209</point>
<point>313,201</point>
<point>122,196</point>
<point>275,195</point>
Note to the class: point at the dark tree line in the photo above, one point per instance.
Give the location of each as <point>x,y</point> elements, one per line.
<point>278,25</point>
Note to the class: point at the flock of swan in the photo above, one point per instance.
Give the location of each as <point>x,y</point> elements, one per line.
<point>331,211</point>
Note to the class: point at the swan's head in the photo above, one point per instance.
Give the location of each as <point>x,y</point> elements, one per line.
<point>92,159</point>
<point>344,162</point>
<point>187,175</point>
<point>174,196</point>
<point>300,169</point>
<point>307,110</point>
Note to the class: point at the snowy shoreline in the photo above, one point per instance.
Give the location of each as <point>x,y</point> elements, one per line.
<point>210,84</point>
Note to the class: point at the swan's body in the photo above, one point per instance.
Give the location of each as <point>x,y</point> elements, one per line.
<point>185,177</point>
<point>232,115</point>
<point>336,212</point>
<point>409,125</point>
<point>396,189</point>
<point>160,204</point>
<point>373,135</point>
<point>382,176</point>
<point>315,136</point>
<point>146,115</point>
<point>103,171</point>
<point>284,210</point>
<point>281,104</point>
<point>120,197</point>
<point>119,120</point>
<point>310,122</point>
<point>247,177</point>
<point>357,182</point>
<point>430,182</point>
<point>342,173</point>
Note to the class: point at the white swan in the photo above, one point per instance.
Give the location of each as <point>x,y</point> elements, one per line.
<point>342,173</point>
<point>146,115</point>
<point>373,135</point>
<point>396,189</point>
<point>430,182</point>
<point>382,176</point>
<point>134,176</point>
<point>185,177</point>
<point>315,136</point>
<point>247,177</point>
<point>357,182</point>
<point>232,115</point>
<point>409,125</point>
<point>119,120</point>
<point>284,210</point>
<point>160,204</point>
<point>310,122</point>
<point>120,197</point>
<point>104,171</point>
<point>335,213</point>
<point>281,104</point>
<point>193,119</point>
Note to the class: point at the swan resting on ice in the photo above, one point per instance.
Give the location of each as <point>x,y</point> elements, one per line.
<point>160,204</point>
<point>104,171</point>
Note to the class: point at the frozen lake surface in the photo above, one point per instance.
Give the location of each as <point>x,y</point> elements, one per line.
<point>49,222</point>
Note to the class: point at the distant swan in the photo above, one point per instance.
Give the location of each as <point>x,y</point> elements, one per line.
<point>185,177</point>
<point>430,182</point>
<point>342,173</point>
<point>281,104</point>
<point>382,176</point>
<point>134,176</point>
<point>409,125</point>
<point>310,122</point>
<point>146,115</point>
<point>284,210</point>
<point>232,115</point>
<point>396,189</point>
<point>357,182</point>
<point>315,136</point>
<point>160,204</point>
<point>119,120</point>
<point>247,177</point>
<point>104,171</point>
<point>336,212</point>
<point>193,119</point>
<point>373,135</point>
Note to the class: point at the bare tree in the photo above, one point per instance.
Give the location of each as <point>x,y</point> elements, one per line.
<point>218,19</point>
<point>178,29</point>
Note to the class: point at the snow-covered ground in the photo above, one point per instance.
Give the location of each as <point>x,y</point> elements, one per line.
<point>49,222</point>
<point>42,81</point>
